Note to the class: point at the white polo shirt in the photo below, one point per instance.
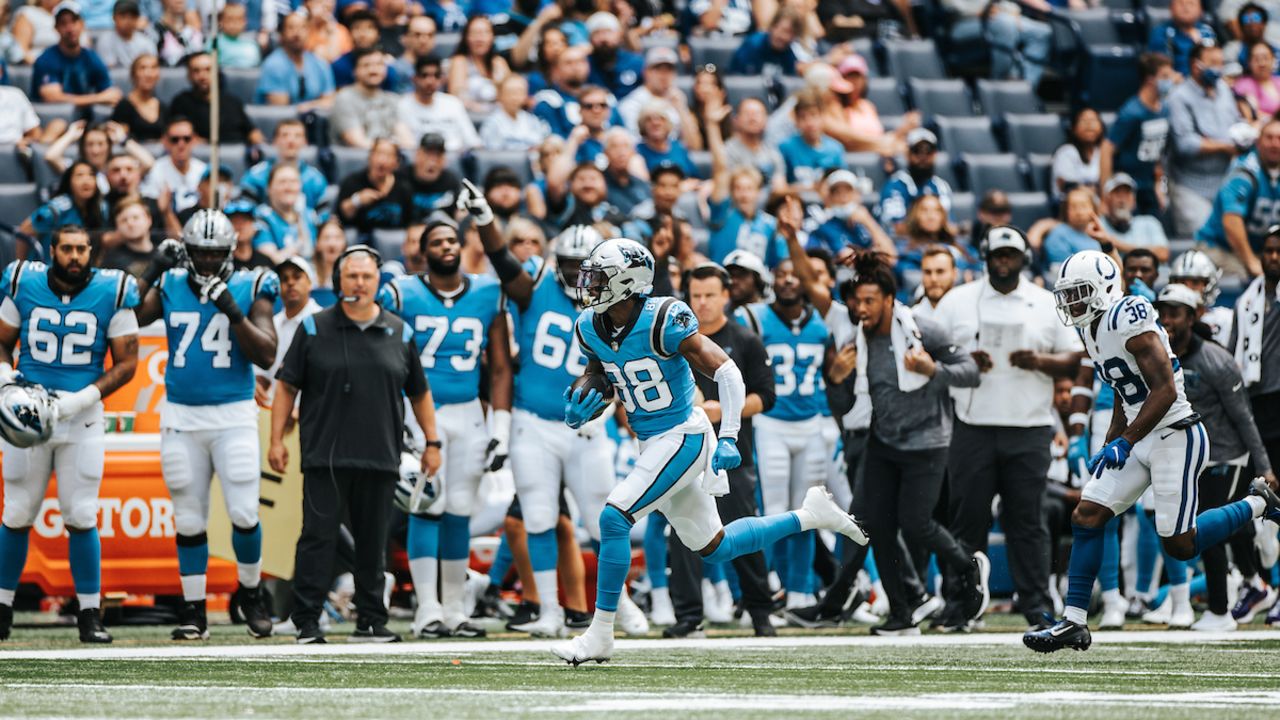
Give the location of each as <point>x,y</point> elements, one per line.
<point>979,317</point>
<point>286,328</point>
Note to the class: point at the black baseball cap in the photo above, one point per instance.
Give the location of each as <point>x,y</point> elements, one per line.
<point>432,142</point>
<point>127,7</point>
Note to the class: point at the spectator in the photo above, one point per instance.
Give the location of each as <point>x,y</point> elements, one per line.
<point>94,147</point>
<point>1015,40</point>
<point>433,185</point>
<point>34,30</point>
<point>993,209</point>
<point>1244,209</point>
<point>449,15</point>
<point>525,239</point>
<point>926,224</point>
<point>809,154</point>
<point>1124,227</point>
<point>747,147</point>
<point>364,112</point>
<point>847,226</point>
<point>177,174</point>
<point>659,84</point>
<point>392,24</point>
<point>327,38</point>
<point>124,180</point>
<point>245,256</point>
<point>375,197</point>
<point>205,190</point>
<point>1136,142</point>
<point>770,52</point>
<point>419,42</point>
<point>657,146</point>
<point>720,18</point>
<point>140,112</point>
<point>293,76</point>
<point>331,241</point>
<point>557,105</point>
<point>427,110</point>
<point>551,42</point>
<point>19,124</point>
<point>707,84</point>
<point>1077,161</point>
<point>581,198</point>
<point>612,66</point>
<point>234,125</point>
<point>665,181</point>
<point>502,190</point>
<point>135,249</point>
<point>1259,84</point>
<point>283,230</point>
<point>1255,342</point>
<point>735,221</point>
<point>535,193</point>
<point>1201,114</point>
<point>289,141</point>
<point>510,126</point>
<point>297,283</point>
<point>938,275</point>
<point>236,48</point>
<point>1184,31</point>
<point>412,261</point>
<point>1249,26</point>
<point>364,36</point>
<point>128,41</point>
<point>77,201</point>
<point>845,20</point>
<point>176,32</point>
<point>586,140</point>
<point>624,172</point>
<point>904,187</point>
<point>1080,229</point>
<point>857,124</point>
<point>476,67</point>
<point>69,73</point>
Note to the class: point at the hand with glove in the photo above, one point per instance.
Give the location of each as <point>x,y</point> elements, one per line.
<point>472,200</point>
<point>1078,452</point>
<point>1113,455</point>
<point>70,404</point>
<point>170,254</point>
<point>727,456</point>
<point>581,405</point>
<point>1142,290</point>
<point>497,452</point>
<point>215,290</point>
<point>8,374</point>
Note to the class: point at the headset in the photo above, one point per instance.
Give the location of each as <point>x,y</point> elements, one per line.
<point>1005,229</point>
<point>337,267</point>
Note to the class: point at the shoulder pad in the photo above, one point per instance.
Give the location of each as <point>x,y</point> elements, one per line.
<point>1131,316</point>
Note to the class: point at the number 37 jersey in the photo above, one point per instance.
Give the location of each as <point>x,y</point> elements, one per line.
<point>1128,317</point>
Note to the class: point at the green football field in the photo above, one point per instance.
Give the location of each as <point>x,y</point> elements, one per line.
<point>44,672</point>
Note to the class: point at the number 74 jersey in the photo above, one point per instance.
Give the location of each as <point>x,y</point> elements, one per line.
<point>1128,317</point>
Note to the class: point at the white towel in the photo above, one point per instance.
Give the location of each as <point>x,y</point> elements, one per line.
<point>1248,349</point>
<point>904,336</point>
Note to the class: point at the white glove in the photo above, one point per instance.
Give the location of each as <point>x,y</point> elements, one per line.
<point>715,484</point>
<point>1243,135</point>
<point>8,374</point>
<point>472,200</point>
<point>499,441</point>
<point>71,404</point>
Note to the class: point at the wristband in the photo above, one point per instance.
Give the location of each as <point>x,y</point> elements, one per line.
<point>1082,392</point>
<point>505,265</point>
<point>1078,419</point>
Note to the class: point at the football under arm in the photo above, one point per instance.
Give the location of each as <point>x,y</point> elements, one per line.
<point>711,360</point>
<point>1157,371</point>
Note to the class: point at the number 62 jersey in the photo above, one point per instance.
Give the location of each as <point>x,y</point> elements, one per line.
<point>1128,317</point>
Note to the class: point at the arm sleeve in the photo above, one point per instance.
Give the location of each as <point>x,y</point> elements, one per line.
<point>272,80</point>
<point>756,371</point>
<point>1186,141</point>
<point>9,312</point>
<point>123,323</point>
<point>733,395</point>
<point>1235,196</point>
<point>98,73</point>
<point>955,368</point>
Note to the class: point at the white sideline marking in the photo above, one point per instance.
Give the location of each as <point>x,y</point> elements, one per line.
<point>622,646</point>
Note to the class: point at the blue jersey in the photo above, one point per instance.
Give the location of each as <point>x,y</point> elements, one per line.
<point>644,363</point>
<point>807,164</point>
<point>206,364</point>
<point>314,183</point>
<point>1250,193</point>
<point>59,212</point>
<point>550,360</point>
<point>795,354</point>
<point>731,230</point>
<point>900,192</point>
<point>1140,135</point>
<point>63,339</point>
<point>451,333</point>
<point>278,234</point>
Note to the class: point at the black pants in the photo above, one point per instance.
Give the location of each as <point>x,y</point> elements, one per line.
<point>1220,485</point>
<point>1011,462</point>
<point>898,493</point>
<point>363,499</point>
<point>686,565</point>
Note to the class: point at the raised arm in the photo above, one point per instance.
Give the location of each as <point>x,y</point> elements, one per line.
<point>516,282</point>
<point>790,215</point>
<point>714,113</point>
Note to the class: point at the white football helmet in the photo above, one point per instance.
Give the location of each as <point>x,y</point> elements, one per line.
<point>27,414</point>
<point>417,493</point>
<point>1196,265</point>
<point>209,238</point>
<point>616,270</point>
<point>572,246</point>
<point>1089,282</point>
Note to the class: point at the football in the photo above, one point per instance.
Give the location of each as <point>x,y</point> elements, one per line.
<point>599,383</point>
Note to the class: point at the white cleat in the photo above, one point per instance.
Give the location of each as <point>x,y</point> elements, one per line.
<point>662,612</point>
<point>1267,542</point>
<point>863,615</point>
<point>550,624</point>
<point>587,647</point>
<point>1161,615</point>
<point>1113,614</point>
<point>424,616</point>
<point>1210,622</point>
<point>713,609</point>
<point>630,617</point>
<point>828,516</point>
<point>1182,616</point>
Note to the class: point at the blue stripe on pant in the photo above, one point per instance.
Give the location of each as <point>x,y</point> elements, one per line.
<point>681,462</point>
<point>1196,442</point>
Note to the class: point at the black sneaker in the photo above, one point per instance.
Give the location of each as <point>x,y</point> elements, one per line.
<point>978,594</point>
<point>192,622</point>
<point>576,619</point>
<point>467,630</point>
<point>811,617</point>
<point>489,604</point>
<point>762,625</point>
<point>91,629</point>
<point>6,621</point>
<point>895,628</point>
<point>434,630</point>
<point>1065,634</point>
<point>685,629</point>
<point>373,633</point>
<point>926,607</point>
<point>311,634</point>
<point>252,604</point>
<point>525,613</point>
<point>1260,488</point>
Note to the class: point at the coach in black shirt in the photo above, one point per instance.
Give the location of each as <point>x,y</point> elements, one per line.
<point>708,293</point>
<point>352,363</point>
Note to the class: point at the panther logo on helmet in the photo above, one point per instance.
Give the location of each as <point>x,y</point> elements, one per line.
<point>27,414</point>
<point>616,270</point>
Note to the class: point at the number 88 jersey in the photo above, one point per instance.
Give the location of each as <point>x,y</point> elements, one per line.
<point>1128,317</point>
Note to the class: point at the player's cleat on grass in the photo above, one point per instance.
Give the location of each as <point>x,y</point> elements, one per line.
<point>895,628</point>
<point>864,615</point>
<point>928,606</point>
<point>374,634</point>
<point>630,617</point>
<point>762,624</point>
<point>1064,634</point>
<point>1212,622</point>
<point>1181,615</point>
<point>433,630</point>
<point>576,619</point>
<point>91,629</point>
<point>467,630</point>
<point>6,621</point>
<point>828,516</point>
<point>661,611</point>
<point>550,624</point>
<point>1273,617</point>
<point>814,616</point>
<point>311,635</point>
<point>1113,613</point>
<point>423,616</point>
<point>490,604</point>
<point>1251,601</point>
<point>526,612</point>
<point>192,623</point>
<point>588,647</point>
<point>1161,615</point>
<point>717,606</point>
<point>685,629</point>
<point>979,595</point>
<point>252,603</point>
<point>1264,491</point>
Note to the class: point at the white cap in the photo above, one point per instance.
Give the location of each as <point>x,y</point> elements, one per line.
<point>1180,294</point>
<point>919,135</point>
<point>603,21</point>
<point>746,260</point>
<point>299,263</point>
<point>842,177</point>
<point>1119,180</point>
<point>1006,236</point>
<point>67,6</point>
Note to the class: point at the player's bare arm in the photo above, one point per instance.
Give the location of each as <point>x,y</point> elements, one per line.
<point>257,334</point>
<point>124,362</point>
<point>703,355</point>
<point>501,377</point>
<point>1157,372</point>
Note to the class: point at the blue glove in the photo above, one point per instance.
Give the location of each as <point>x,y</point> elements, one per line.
<point>1113,455</point>
<point>579,408</point>
<point>727,456</point>
<point>1142,290</point>
<point>1078,451</point>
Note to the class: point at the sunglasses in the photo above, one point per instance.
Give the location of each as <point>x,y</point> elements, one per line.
<point>181,138</point>
<point>594,106</point>
<point>923,150</point>
<point>429,74</point>
<point>1251,18</point>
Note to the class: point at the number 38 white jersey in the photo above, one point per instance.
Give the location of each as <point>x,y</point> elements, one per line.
<point>1128,317</point>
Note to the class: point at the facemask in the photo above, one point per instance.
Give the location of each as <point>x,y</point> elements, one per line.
<point>842,212</point>
<point>1210,76</point>
<point>1163,87</point>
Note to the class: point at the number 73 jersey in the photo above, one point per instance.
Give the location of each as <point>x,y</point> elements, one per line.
<point>1128,317</point>
<point>206,365</point>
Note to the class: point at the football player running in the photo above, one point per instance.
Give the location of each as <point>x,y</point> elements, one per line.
<point>647,347</point>
<point>455,317</point>
<point>67,315</point>
<point>218,325</point>
<point>1155,439</point>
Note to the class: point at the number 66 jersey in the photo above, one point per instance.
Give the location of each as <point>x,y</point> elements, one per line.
<point>1128,317</point>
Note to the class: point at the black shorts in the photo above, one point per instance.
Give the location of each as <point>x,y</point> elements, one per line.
<point>514,510</point>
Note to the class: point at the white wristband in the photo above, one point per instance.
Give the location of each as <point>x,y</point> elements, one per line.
<point>1078,391</point>
<point>72,404</point>
<point>1078,419</point>
<point>733,396</point>
<point>501,426</point>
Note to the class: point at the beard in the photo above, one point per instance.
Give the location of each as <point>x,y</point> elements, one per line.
<point>505,212</point>
<point>73,278</point>
<point>441,267</point>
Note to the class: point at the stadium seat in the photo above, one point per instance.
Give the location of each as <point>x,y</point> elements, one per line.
<point>999,97</point>
<point>266,117</point>
<point>883,93</point>
<point>716,51</point>
<point>388,242</point>
<point>120,78</point>
<point>967,135</point>
<point>914,59</point>
<point>231,155</point>
<point>867,164</point>
<point>446,43</point>
<point>941,97</point>
<point>1028,207</point>
<point>944,168</point>
<point>482,162</point>
<point>739,87</point>
<point>1040,168</point>
<point>963,207</point>
<point>992,172</point>
<point>347,160</point>
<point>172,81</point>
<point>20,77</point>
<point>17,202</point>
<point>242,83</point>
<point>1033,134</point>
<point>659,40</point>
<point>49,112</point>
<point>1108,77</point>
<point>12,170</point>
<point>1096,26</point>
<point>1156,11</point>
<point>702,161</point>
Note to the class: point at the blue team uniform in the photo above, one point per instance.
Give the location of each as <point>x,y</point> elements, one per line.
<point>1140,136</point>
<point>644,363</point>
<point>795,354</point>
<point>314,183</point>
<point>63,340</point>
<point>1249,193</point>
<point>807,164</point>
<point>900,193</point>
<point>276,232</point>
<point>59,212</point>
<point>206,364</point>
<point>550,359</point>
<point>731,230</point>
<point>450,333</point>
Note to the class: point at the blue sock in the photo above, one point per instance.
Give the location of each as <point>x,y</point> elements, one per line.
<point>1109,573</point>
<point>873,572</point>
<point>502,560</point>
<point>731,576</point>
<point>1148,551</point>
<point>247,544</point>
<point>1082,569</point>
<point>713,572</point>
<point>1176,569</point>
<point>1216,525</point>
<point>543,550</point>
<point>799,561</point>
<point>655,550</point>
<point>13,556</point>
<point>749,534</point>
<point>455,537</point>
<point>193,554</point>
<point>614,559</point>
<point>934,583</point>
<point>424,537</point>
<point>85,552</point>
<point>1275,575</point>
